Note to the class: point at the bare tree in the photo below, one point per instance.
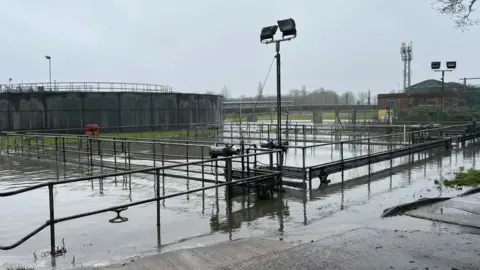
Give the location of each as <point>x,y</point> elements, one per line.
<point>225,93</point>
<point>459,10</point>
<point>362,98</point>
<point>260,91</point>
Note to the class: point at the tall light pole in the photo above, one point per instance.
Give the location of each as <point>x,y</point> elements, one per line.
<point>289,32</point>
<point>49,71</point>
<point>451,65</point>
<point>9,84</point>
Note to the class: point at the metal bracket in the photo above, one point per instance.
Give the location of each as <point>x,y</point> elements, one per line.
<point>323,179</point>
<point>118,218</point>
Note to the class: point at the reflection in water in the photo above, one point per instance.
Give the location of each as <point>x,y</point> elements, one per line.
<point>342,188</point>
<point>250,209</point>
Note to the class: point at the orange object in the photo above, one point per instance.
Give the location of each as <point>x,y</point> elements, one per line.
<point>92,129</point>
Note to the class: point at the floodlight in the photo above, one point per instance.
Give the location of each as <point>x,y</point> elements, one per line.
<point>451,64</point>
<point>48,57</point>
<point>436,65</point>
<point>268,33</point>
<point>288,27</point>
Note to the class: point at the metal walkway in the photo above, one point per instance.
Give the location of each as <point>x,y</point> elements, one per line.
<point>322,171</point>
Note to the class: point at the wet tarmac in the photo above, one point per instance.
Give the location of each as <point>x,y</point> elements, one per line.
<point>201,218</point>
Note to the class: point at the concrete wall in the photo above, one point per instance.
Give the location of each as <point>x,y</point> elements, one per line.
<point>72,110</point>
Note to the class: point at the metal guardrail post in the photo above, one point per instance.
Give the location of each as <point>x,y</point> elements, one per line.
<point>100,153</point>
<point>157,179</point>
<point>368,144</point>
<point>163,154</point>
<point>115,152</point>
<point>154,152</point>
<point>56,148</point>
<point>90,149</point>
<point>129,160</point>
<point>203,165</point>
<point>51,220</point>
<point>216,172</point>
<point>38,150</point>
<point>341,151</point>
<point>304,174</point>
<point>99,150</point>
<point>63,150</point>
<point>228,178</point>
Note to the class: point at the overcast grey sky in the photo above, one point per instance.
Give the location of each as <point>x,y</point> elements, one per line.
<point>202,45</point>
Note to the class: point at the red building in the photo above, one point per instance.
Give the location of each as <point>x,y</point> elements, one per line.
<point>428,92</point>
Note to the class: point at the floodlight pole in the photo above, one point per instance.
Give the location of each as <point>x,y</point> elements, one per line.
<point>279,94</point>
<point>441,93</point>
<point>279,101</point>
<point>441,98</point>
<point>49,58</point>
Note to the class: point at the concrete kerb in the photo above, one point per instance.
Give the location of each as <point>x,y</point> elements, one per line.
<point>402,208</point>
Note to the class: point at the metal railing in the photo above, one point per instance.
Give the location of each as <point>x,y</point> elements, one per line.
<point>158,172</point>
<point>85,87</point>
<point>61,144</point>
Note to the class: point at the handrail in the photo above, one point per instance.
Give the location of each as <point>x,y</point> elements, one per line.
<point>85,87</point>
<point>113,138</point>
<point>86,178</point>
<point>104,139</point>
<point>382,136</point>
<point>377,153</point>
<point>113,208</point>
<point>25,238</point>
<point>202,124</point>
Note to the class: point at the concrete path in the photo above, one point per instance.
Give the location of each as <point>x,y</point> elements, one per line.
<point>365,248</point>
<point>464,211</point>
<point>377,249</point>
<point>359,248</point>
<point>206,257</point>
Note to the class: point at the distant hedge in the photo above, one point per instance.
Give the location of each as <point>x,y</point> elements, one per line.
<point>432,114</point>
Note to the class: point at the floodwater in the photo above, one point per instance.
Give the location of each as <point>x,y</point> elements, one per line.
<point>202,218</point>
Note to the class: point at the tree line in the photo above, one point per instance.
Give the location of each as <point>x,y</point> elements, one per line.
<point>302,96</point>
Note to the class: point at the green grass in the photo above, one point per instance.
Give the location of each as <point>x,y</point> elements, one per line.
<point>315,132</point>
<point>160,134</point>
<point>41,140</point>
<point>73,139</point>
<point>469,178</point>
<point>300,116</point>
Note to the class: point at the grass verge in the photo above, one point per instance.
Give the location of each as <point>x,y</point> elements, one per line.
<point>469,178</point>
<point>313,132</point>
<point>33,141</point>
<point>300,116</point>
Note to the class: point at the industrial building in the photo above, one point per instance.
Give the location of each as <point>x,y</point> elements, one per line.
<point>429,92</point>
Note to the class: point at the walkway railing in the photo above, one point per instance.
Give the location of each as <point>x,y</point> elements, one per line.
<point>85,87</point>
<point>158,172</point>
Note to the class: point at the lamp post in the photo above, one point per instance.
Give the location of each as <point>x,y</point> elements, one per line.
<point>451,65</point>
<point>49,71</point>
<point>289,32</point>
<point>9,84</point>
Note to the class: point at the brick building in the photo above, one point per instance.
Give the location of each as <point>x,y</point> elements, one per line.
<point>428,92</point>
